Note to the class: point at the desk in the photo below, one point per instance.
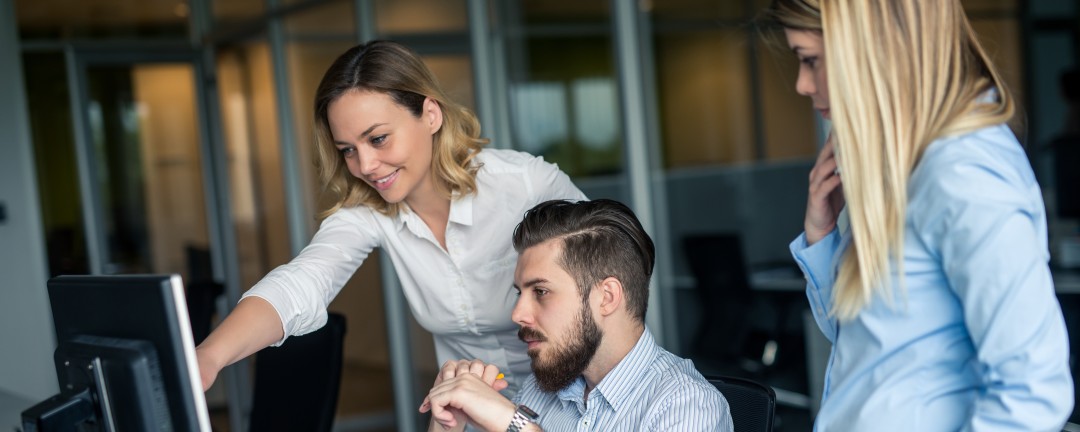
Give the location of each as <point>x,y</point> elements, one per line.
<point>11,408</point>
<point>778,279</point>
<point>1065,281</point>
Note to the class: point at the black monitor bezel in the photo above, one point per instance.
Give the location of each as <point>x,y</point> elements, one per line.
<point>142,307</point>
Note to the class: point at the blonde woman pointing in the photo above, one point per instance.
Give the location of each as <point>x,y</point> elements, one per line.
<point>925,243</point>
<point>407,172</point>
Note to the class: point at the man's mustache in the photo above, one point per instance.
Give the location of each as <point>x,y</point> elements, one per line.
<point>528,333</point>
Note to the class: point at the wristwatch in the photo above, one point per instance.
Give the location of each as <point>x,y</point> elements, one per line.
<point>522,416</point>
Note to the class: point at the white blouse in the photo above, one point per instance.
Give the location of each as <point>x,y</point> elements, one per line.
<point>463,295</point>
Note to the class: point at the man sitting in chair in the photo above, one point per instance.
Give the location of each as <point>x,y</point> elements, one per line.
<point>582,280</point>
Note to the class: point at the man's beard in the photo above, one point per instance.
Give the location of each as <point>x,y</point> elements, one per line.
<point>567,362</point>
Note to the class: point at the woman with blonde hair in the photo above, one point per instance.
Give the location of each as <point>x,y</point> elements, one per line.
<point>406,170</point>
<point>925,243</point>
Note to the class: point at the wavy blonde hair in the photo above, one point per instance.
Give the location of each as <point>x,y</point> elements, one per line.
<point>902,73</point>
<point>392,69</point>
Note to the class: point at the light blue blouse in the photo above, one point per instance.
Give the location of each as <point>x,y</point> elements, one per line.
<point>976,341</point>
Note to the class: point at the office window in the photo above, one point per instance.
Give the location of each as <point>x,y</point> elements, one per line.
<point>563,88</point>
<point>725,96</point>
<point>705,98</point>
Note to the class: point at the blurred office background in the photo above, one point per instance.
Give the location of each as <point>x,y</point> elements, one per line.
<point>174,136</point>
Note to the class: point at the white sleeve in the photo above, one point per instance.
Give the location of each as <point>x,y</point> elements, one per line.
<point>301,289</point>
<point>549,182</point>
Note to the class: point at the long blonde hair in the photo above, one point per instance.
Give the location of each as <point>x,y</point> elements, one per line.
<point>393,69</point>
<point>902,73</point>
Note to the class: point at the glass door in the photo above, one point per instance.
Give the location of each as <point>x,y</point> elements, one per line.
<point>143,136</point>
<point>150,179</point>
<point>140,146</point>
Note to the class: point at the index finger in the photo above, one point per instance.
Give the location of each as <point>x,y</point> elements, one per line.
<point>491,374</point>
<point>448,371</point>
<point>827,149</point>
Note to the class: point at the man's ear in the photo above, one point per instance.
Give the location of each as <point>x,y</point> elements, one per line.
<point>611,296</point>
<point>432,115</point>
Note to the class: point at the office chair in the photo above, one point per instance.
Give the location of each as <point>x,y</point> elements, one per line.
<point>723,292</point>
<point>733,337</point>
<point>752,404</point>
<point>297,384</point>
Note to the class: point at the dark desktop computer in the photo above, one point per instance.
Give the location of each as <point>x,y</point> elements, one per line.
<point>125,358</point>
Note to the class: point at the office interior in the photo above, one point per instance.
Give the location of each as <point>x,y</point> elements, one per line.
<point>174,136</point>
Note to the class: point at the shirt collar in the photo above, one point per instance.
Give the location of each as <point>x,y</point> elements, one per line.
<point>461,211</point>
<point>404,213</point>
<point>617,387</point>
<point>573,393</point>
<point>627,376</point>
<point>461,208</point>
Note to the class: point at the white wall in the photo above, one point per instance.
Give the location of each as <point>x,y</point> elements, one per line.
<point>26,333</point>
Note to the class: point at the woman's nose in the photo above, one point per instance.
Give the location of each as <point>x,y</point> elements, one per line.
<point>804,84</point>
<point>367,160</point>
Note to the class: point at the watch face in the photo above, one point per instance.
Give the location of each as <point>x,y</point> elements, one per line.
<point>528,411</point>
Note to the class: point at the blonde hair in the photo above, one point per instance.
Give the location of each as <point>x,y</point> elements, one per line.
<point>392,69</point>
<point>902,73</point>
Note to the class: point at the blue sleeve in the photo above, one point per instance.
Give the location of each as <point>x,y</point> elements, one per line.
<point>817,262</point>
<point>986,221</point>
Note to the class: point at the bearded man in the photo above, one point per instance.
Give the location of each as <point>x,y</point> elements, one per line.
<point>582,278</point>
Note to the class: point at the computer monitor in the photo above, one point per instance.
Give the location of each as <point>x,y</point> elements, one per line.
<point>125,358</point>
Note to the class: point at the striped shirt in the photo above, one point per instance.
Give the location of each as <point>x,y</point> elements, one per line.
<point>651,389</point>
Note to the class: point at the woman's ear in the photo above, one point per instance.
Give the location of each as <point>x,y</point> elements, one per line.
<point>611,296</point>
<point>433,115</point>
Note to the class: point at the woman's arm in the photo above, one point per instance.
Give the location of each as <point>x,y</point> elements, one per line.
<point>818,264</point>
<point>816,250</point>
<point>252,326</point>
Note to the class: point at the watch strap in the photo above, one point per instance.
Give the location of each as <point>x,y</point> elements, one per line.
<point>522,416</point>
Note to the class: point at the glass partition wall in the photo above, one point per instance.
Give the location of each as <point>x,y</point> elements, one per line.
<point>200,161</point>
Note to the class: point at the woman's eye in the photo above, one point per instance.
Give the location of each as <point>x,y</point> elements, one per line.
<point>378,140</point>
<point>346,151</point>
<point>809,61</point>
<point>540,292</point>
